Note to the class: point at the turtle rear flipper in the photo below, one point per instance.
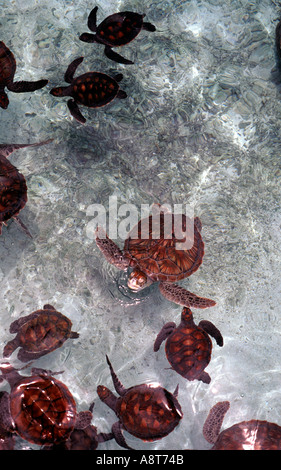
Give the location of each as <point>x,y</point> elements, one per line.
<point>75,111</point>
<point>118,435</point>
<point>24,86</point>
<point>112,55</point>
<point>181,296</point>
<point>4,100</point>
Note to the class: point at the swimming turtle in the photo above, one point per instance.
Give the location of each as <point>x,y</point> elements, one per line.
<point>116,30</point>
<point>7,72</point>
<point>92,89</point>
<point>39,408</point>
<point>83,439</point>
<point>160,255</point>
<point>13,189</point>
<point>188,346</point>
<point>247,435</point>
<point>39,333</point>
<point>147,411</point>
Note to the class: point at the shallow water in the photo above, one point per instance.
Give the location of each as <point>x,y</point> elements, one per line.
<point>200,126</point>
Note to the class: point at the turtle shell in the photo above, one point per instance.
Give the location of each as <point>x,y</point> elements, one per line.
<point>13,190</point>
<point>43,410</point>
<point>188,349</point>
<point>148,412</point>
<point>7,65</point>
<point>153,247</point>
<point>120,28</point>
<point>250,435</point>
<point>94,89</point>
<point>42,331</point>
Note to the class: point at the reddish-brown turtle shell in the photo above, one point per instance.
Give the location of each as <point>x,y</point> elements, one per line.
<point>250,435</point>
<point>43,409</point>
<point>39,408</point>
<point>157,254</point>
<point>94,89</point>
<point>188,347</point>
<point>7,64</point>
<point>147,412</point>
<point>39,333</point>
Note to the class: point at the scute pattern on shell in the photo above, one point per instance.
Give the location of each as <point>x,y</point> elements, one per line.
<point>43,410</point>
<point>94,89</point>
<point>189,351</point>
<point>7,64</point>
<point>44,332</point>
<point>157,256</point>
<point>120,28</point>
<point>148,412</point>
<point>13,190</point>
<point>250,435</point>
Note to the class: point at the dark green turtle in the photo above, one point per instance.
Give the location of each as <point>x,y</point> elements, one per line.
<point>116,30</point>
<point>92,89</point>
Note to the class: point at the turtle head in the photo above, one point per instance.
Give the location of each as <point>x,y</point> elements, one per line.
<point>138,280</point>
<point>59,91</point>
<point>4,100</point>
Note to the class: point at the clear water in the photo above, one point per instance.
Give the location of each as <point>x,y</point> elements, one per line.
<point>200,126</point>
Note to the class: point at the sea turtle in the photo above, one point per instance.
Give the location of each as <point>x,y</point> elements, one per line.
<point>83,439</point>
<point>188,346</point>
<point>159,256</point>
<point>39,333</point>
<point>39,408</point>
<point>7,72</point>
<point>116,30</point>
<point>13,189</point>
<point>92,89</point>
<point>147,411</point>
<point>247,435</point>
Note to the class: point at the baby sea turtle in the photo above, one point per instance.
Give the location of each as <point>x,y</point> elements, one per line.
<point>39,333</point>
<point>13,189</point>
<point>247,435</point>
<point>39,408</point>
<point>147,411</point>
<point>116,30</point>
<point>92,89</point>
<point>155,256</point>
<point>188,346</point>
<point>7,72</point>
<point>83,439</point>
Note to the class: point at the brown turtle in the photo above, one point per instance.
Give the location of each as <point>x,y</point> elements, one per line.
<point>92,89</point>
<point>13,189</point>
<point>39,333</point>
<point>7,72</point>
<point>116,30</point>
<point>39,408</point>
<point>247,435</point>
<point>188,346</point>
<point>158,255</point>
<point>83,439</point>
<point>147,411</point>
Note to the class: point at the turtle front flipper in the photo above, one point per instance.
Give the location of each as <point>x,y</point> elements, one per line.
<point>10,347</point>
<point>7,149</point>
<point>212,425</point>
<point>212,330</point>
<point>24,86</point>
<point>112,55</point>
<point>111,251</point>
<point>92,20</point>
<point>167,329</point>
<point>75,111</point>
<point>71,69</point>
<point>181,296</point>
<point>22,225</point>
